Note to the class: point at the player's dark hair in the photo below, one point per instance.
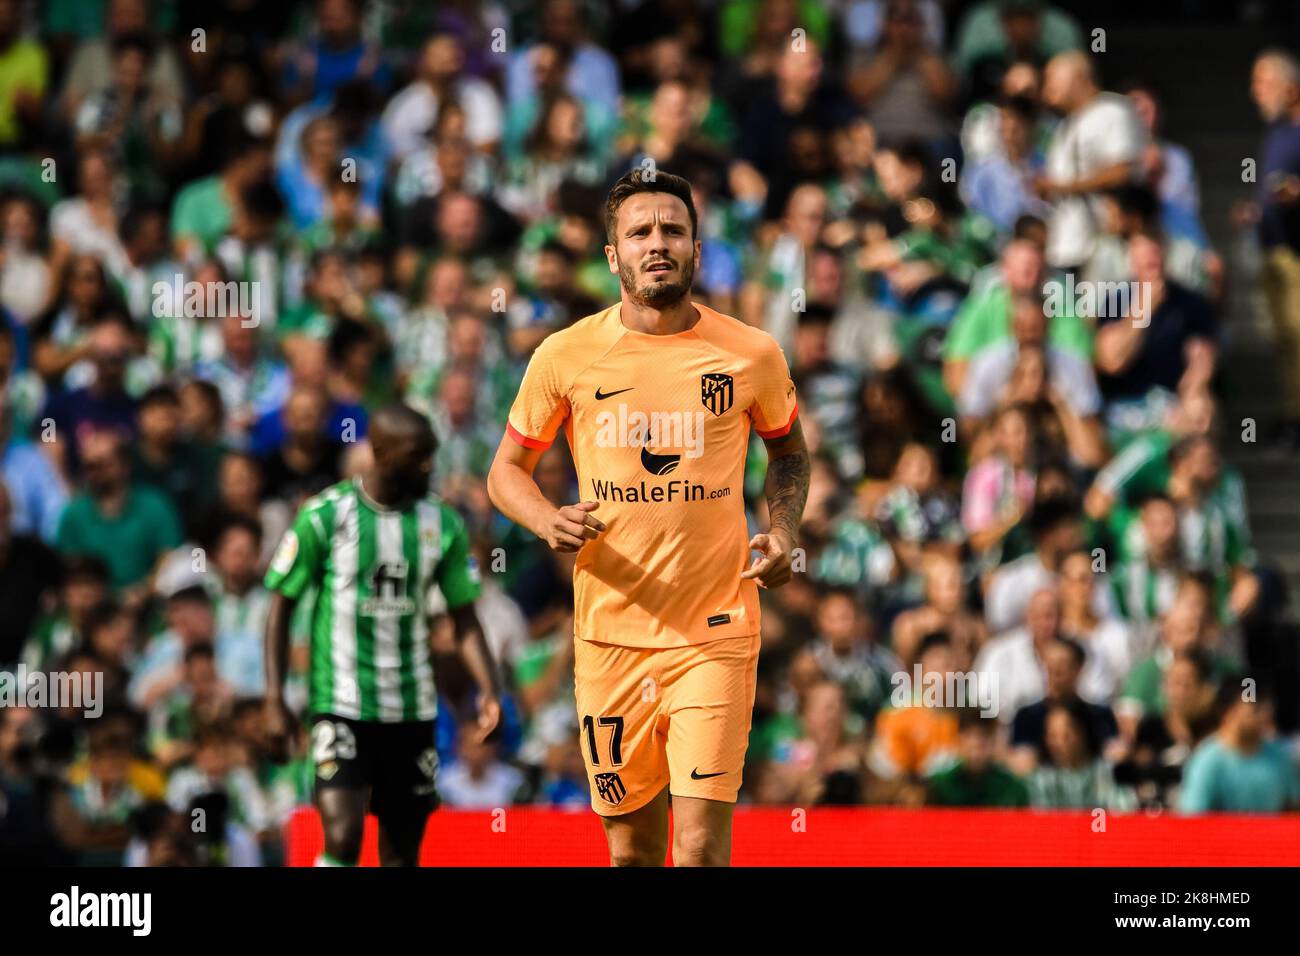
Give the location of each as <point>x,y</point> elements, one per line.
<point>399,416</point>
<point>632,184</point>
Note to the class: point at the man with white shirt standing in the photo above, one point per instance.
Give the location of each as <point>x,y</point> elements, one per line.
<point>1014,661</point>
<point>1057,530</point>
<point>409,118</point>
<point>1097,146</point>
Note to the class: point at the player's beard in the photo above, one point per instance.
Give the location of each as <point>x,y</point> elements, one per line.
<point>657,295</point>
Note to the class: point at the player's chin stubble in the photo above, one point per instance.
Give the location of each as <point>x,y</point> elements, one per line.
<point>656,295</point>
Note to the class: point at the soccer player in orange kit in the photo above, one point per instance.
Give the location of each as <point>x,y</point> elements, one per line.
<point>657,396</point>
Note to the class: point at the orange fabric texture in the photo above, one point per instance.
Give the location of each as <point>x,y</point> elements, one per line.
<point>659,426</point>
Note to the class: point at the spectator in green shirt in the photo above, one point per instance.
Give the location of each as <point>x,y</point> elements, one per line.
<point>1001,31</point>
<point>183,470</point>
<point>1189,625</point>
<point>976,780</point>
<point>985,317</point>
<point>131,527</point>
<point>205,209</point>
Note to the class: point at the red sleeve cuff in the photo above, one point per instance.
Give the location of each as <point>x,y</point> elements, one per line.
<point>534,443</point>
<point>784,429</point>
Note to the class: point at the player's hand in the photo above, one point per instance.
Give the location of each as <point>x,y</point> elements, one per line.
<point>489,715</point>
<point>772,569</point>
<point>573,526</point>
<point>275,728</point>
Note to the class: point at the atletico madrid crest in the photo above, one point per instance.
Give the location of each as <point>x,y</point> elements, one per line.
<point>716,392</point>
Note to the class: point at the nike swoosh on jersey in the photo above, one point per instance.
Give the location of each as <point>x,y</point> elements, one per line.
<point>696,775</point>
<point>601,396</point>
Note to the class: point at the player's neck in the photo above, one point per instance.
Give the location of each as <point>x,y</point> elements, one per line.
<point>681,316</point>
<point>378,492</point>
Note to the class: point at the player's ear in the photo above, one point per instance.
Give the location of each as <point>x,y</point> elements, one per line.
<point>611,254</point>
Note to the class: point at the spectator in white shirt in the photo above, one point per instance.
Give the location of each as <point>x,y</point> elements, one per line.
<point>1014,661</point>
<point>410,116</point>
<point>990,371</point>
<point>591,71</point>
<point>478,780</point>
<point>1098,145</point>
<point>1107,640</point>
<point>1057,530</point>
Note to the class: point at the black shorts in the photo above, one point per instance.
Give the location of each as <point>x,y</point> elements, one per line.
<point>398,763</point>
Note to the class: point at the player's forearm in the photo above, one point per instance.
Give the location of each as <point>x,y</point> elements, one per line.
<point>276,646</point>
<point>474,650</point>
<point>786,489</point>
<point>516,495</point>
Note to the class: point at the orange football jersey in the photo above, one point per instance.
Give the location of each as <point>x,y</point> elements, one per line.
<point>659,426</point>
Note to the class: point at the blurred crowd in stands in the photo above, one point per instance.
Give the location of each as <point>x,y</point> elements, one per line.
<point>230,230</point>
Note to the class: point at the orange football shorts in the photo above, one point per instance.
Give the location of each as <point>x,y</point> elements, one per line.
<point>655,717</point>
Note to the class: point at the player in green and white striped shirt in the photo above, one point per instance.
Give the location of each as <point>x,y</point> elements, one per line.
<point>375,546</point>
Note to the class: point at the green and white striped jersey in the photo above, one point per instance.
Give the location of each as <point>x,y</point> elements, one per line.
<point>374,568</point>
<point>1210,539</point>
<point>1142,468</point>
<point>1144,592</point>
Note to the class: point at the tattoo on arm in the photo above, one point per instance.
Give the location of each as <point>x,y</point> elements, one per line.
<point>787,491</point>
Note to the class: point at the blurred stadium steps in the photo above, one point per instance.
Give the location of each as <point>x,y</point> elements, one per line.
<point>1204,73</point>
